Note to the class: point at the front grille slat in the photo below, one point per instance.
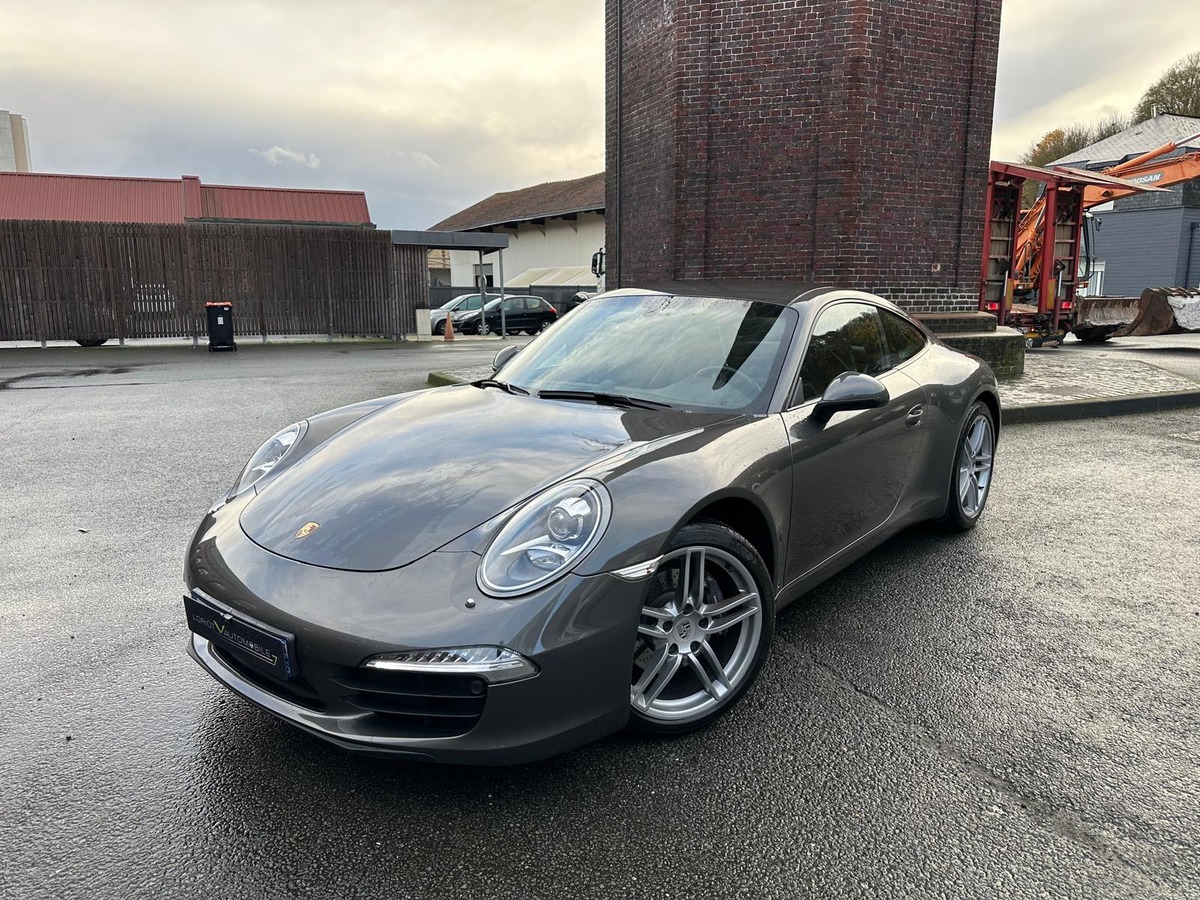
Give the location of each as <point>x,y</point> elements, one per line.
<point>428,704</point>
<point>413,684</point>
<point>391,705</point>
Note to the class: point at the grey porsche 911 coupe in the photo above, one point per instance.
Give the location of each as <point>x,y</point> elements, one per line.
<point>598,536</point>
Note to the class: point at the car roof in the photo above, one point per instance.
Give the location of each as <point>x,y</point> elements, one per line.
<point>761,290</point>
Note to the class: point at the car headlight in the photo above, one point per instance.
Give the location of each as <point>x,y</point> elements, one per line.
<point>546,538</point>
<point>268,456</point>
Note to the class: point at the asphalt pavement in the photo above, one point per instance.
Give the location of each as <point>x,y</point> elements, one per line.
<point>1008,713</point>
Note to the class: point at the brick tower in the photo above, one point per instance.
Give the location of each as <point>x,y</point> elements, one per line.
<point>821,141</point>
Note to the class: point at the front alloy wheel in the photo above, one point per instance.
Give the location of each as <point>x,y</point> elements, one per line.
<point>972,477</point>
<point>705,628</point>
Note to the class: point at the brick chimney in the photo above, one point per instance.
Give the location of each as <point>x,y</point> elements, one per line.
<point>824,141</point>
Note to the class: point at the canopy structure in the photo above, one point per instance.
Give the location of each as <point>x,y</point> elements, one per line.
<point>553,276</point>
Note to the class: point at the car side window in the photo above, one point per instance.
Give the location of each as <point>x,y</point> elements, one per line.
<point>512,304</point>
<point>904,340</point>
<point>847,337</point>
<point>473,303</point>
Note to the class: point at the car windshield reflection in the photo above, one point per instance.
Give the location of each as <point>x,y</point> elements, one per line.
<point>689,353</point>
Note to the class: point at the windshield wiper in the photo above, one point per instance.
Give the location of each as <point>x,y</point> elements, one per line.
<point>604,399</point>
<point>503,385</point>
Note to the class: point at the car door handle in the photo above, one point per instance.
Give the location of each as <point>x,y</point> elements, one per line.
<point>914,416</point>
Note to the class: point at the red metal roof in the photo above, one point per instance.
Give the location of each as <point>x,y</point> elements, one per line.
<point>275,204</point>
<point>99,198</point>
<point>84,198</point>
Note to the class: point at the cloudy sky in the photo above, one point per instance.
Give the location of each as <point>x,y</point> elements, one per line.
<point>431,105</point>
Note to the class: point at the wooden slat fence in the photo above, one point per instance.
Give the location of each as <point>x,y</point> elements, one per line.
<point>81,281</point>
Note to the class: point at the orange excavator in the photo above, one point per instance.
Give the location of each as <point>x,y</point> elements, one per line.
<point>1032,283</point>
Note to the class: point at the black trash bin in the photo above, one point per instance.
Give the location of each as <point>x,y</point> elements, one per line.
<point>220,326</point>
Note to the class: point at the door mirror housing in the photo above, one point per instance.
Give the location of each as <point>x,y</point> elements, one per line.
<point>505,354</point>
<point>850,391</point>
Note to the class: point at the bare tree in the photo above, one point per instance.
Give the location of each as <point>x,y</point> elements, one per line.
<point>1177,91</point>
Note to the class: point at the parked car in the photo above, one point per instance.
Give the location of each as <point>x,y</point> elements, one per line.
<point>461,303</point>
<point>629,500</point>
<point>521,313</point>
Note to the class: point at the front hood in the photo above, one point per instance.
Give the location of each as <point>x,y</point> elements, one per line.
<point>408,479</point>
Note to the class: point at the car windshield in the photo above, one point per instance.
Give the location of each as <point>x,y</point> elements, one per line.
<point>687,352</point>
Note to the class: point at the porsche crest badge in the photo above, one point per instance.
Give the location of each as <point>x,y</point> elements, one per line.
<point>307,529</point>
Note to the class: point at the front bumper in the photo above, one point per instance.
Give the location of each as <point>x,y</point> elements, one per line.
<point>579,631</point>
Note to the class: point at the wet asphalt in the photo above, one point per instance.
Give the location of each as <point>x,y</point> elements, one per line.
<point>1010,713</point>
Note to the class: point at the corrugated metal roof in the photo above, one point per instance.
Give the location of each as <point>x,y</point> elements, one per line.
<point>541,201</point>
<point>283,204</point>
<point>1133,141</point>
<point>99,198</point>
<point>87,198</point>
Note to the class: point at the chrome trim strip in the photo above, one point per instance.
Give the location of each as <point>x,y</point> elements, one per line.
<point>638,571</point>
<point>498,671</point>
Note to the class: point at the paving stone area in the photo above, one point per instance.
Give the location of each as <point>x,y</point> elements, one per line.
<point>1052,376</point>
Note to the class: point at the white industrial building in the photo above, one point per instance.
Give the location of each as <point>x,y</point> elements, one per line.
<point>553,230</point>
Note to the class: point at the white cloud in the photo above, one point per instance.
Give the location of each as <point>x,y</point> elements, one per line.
<point>278,156</point>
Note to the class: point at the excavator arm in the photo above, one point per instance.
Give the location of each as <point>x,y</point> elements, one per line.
<point>1164,174</point>
<point>1143,170</point>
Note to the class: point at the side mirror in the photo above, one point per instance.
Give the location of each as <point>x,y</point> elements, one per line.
<point>849,391</point>
<point>505,354</point>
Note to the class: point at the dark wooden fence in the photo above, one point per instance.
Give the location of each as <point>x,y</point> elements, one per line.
<point>86,281</point>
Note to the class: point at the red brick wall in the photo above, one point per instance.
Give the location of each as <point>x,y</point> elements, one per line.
<point>825,141</point>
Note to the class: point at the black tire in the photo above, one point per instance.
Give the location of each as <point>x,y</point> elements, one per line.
<point>531,331</point>
<point>960,517</point>
<point>483,329</point>
<point>744,645</point>
<point>91,342</point>
<point>1097,335</point>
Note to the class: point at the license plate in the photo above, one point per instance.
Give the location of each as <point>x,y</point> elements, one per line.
<point>267,648</point>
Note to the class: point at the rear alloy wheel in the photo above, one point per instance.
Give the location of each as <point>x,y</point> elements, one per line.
<point>546,323</point>
<point>483,329</point>
<point>971,478</point>
<point>704,633</point>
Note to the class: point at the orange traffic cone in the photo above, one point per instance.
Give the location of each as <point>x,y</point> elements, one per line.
<point>448,333</point>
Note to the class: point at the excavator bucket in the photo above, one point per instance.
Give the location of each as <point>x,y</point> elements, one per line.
<point>1157,311</point>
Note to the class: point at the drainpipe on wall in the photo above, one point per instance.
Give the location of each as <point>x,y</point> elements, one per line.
<point>616,236</point>
<point>1187,268</point>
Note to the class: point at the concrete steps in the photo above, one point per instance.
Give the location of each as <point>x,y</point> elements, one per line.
<point>977,333</point>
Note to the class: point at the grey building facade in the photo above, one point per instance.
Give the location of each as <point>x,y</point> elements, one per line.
<point>1150,241</point>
